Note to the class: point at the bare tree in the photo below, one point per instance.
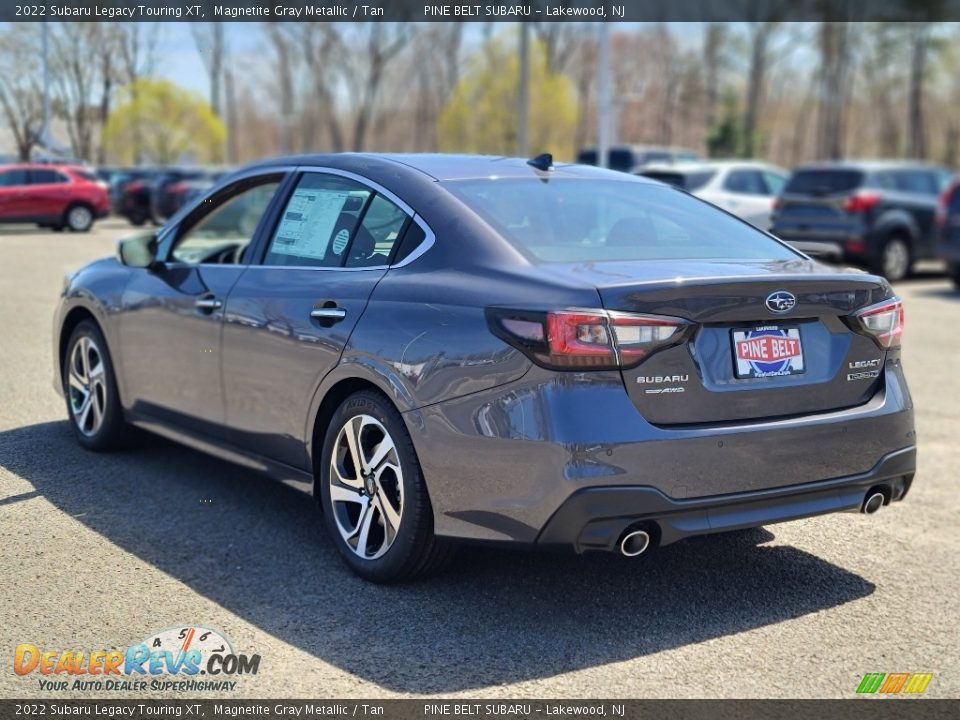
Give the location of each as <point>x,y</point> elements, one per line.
<point>837,42</point>
<point>282,41</point>
<point>320,43</point>
<point>920,43</point>
<point>20,91</point>
<point>210,39</point>
<point>372,46</point>
<point>715,61</point>
<point>136,45</point>
<point>75,77</point>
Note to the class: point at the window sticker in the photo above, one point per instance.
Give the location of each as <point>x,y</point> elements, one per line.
<point>308,223</point>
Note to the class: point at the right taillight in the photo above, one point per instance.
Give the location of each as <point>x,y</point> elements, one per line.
<point>883,322</point>
<point>586,339</point>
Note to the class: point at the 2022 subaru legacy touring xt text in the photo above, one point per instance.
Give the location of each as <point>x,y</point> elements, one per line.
<point>449,348</point>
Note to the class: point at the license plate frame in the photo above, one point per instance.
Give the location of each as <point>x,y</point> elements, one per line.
<point>764,351</point>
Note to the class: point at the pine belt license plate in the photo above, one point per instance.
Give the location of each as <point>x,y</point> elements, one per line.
<point>767,351</point>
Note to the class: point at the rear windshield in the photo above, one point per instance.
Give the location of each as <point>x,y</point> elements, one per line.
<point>575,220</point>
<point>823,182</point>
<point>684,181</point>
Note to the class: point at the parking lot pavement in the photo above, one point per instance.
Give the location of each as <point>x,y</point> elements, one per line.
<point>101,551</point>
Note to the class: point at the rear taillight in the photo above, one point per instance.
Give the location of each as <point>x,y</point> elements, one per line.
<point>133,186</point>
<point>177,188</point>
<point>580,339</point>
<point>883,322</point>
<point>777,203</point>
<point>943,203</point>
<point>861,202</point>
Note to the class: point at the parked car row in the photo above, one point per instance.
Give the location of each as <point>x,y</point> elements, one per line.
<point>153,195</point>
<point>884,215</point>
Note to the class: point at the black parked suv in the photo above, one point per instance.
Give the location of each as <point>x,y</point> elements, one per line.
<point>948,220</point>
<point>877,213</point>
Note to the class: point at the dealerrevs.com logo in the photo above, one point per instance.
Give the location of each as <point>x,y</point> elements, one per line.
<point>185,659</point>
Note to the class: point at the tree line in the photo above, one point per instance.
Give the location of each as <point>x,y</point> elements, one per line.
<point>785,91</point>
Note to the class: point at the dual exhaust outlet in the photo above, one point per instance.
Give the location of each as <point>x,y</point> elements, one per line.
<point>636,540</point>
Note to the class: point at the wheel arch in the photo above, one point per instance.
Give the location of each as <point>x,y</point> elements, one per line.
<point>76,315</point>
<point>332,398</point>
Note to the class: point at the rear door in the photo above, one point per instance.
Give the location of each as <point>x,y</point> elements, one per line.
<point>49,192</point>
<point>289,317</point>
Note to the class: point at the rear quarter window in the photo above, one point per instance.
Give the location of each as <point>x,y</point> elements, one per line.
<point>823,182</point>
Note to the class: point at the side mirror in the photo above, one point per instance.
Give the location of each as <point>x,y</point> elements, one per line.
<point>139,251</point>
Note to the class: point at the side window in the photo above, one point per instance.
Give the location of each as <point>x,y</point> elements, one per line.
<point>747,182</point>
<point>884,181</point>
<point>381,227</point>
<point>774,182</point>
<point>915,181</point>
<point>227,225</point>
<point>316,225</point>
<point>12,178</point>
<point>46,177</point>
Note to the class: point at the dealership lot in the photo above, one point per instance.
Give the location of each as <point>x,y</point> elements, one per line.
<point>102,551</point>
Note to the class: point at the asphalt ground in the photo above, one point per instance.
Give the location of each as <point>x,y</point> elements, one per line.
<point>101,551</point>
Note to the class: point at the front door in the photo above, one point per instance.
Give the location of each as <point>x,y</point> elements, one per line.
<point>170,330</point>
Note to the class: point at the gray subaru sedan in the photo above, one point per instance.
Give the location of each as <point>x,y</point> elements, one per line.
<point>445,348</point>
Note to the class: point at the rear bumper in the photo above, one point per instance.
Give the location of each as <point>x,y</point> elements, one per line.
<point>502,464</point>
<point>596,518</point>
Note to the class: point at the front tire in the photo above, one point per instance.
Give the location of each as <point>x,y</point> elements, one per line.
<point>374,497</point>
<point>90,388</point>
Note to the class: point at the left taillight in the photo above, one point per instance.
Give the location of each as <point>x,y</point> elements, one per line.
<point>883,322</point>
<point>585,339</point>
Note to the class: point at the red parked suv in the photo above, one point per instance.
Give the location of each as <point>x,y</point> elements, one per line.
<point>53,196</point>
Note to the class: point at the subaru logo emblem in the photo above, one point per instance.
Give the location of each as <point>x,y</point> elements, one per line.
<point>781,302</point>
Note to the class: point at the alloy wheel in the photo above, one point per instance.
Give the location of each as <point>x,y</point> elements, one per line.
<point>896,259</point>
<point>87,386</point>
<point>79,218</point>
<point>366,487</point>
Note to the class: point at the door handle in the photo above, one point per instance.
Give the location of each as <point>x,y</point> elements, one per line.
<point>208,304</point>
<point>328,313</point>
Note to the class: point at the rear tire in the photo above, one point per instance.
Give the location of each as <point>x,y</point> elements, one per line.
<point>954,272</point>
<point>79,218</point>
<point>895,260</point>
<point>377,510</point>
<point>90,389</point>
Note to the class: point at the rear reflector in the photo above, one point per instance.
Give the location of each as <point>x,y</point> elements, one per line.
<point>883,322</point>
<point>578,339</point>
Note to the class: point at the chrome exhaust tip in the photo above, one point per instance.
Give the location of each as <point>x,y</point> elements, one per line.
<point>634,543</point>
<point>873,502</point>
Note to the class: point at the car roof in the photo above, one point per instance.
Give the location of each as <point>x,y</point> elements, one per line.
<point>701,165</point>
<point>446,167</point>
<point>871,164</point>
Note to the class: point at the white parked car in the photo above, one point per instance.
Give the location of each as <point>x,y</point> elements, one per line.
<point>742,187</point>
